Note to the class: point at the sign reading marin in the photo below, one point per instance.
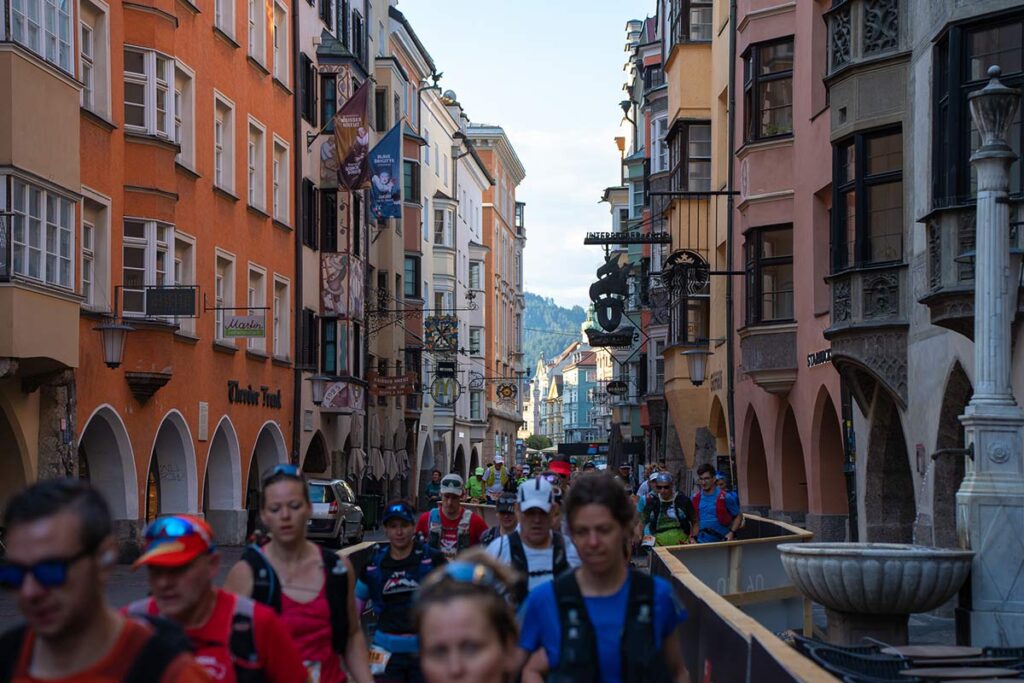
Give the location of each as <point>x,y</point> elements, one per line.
<point>634,237</point>
<point>176,301</point>
<point>253,326</point>
<point>248,396</point>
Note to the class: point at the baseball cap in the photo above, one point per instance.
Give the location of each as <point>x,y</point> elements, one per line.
<point>654,475</point>
<point>589,465</point>
<point>400,510</point>
<point>536,493</point>
<point>175,541</point>
<point>479,471</point>
<point>498,460</point>
<point>451,483</point>
<point>506,502</point>
<point>560,467</point>
<point>663,478</point>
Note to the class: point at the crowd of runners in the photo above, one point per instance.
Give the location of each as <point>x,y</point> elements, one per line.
<point>549,593</point>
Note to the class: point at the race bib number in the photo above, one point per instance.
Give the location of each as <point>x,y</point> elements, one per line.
<point>379,658</point>
<point>313,669</point>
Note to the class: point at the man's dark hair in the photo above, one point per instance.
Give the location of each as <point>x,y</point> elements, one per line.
<point>52,496</point>
<point>600,488</point>
<point>706,468</point>
<point>433,472</point>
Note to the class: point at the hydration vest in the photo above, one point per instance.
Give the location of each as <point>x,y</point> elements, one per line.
<point>721,510</point>
<point>685,515</point>
<point>241,643</point>
<point>579,660</point>
<point>166,643</point>
<point>559,563</point>
<point>434,541</point>
<point>423,560</point>
<point>266,588</point>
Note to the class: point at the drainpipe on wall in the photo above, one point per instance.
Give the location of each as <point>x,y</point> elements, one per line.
<point>296,214</point>
<point>730,329</point>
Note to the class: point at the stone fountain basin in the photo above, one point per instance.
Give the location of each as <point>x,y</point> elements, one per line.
<point>876,578</point>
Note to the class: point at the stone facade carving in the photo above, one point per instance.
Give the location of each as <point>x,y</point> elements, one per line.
<point>840,301</point>
<point>881,26</point>
<point>934,255</point>
<point>882,296</point>
<point>839,38</point>
<point>965,243</point>
<point>774,351</point>
<point>883,352</point>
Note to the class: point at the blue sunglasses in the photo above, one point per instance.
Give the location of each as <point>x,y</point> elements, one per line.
<point>471,572</point>
<point>285,469</point>
<point>47,573</point>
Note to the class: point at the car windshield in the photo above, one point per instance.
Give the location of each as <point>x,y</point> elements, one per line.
<point>320,493</point>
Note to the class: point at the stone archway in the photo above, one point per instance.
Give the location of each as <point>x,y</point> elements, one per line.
<point>270,450</point>
<point>753,464</point>
<point>316,460</point>
<point>948,470</point>
<point>106,460</point>
<point>718,428</point>
<point>791,471</point>
<point>459,464</point>
<point>13,477</point>
<point>889,502</point>
<point>222,488</point>
<point>829,522</point>
<point>474,459</point>
<point>171,481</point>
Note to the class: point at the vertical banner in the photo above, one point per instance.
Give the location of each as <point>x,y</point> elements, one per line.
<point>385,175</point>
<point>352,139</point>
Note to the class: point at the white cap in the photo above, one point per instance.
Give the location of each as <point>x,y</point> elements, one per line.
<point>535,493</point>
<point>653,476</point>
<point>498,460</point>
<point>451,483</point>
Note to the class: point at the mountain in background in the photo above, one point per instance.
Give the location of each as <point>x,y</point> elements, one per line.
<point>549,328</point>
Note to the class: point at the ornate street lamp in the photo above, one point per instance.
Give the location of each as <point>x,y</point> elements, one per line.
<point>113,335</point>
<point>697,364</point>
<point>319,385</point>
<point>990,501</point>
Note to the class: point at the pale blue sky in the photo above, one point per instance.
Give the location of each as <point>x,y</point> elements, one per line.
<point>550,73</point>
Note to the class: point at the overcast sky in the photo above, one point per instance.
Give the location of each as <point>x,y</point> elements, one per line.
<point>550,73</point>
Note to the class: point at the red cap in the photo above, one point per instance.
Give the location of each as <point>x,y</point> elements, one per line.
<point>560,467</point>
<point>176,541</point>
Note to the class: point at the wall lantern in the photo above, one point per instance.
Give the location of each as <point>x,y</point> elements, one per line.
<point>697,364</point>
<point>113,335</point>
<point>319,385</point>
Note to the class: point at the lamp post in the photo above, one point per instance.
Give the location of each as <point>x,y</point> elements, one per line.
<point>990,502</point>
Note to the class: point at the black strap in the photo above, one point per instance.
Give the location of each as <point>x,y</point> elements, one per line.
<point>10,648</point>
<point>579,644</point>
<point>559,561</point>
<point>166,644</point>
<point>266,587</point>
<point>336,577</point>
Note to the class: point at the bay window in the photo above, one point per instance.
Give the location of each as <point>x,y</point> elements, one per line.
<point>690,156</point>
<point>769,274</point>
<point>147,252</point>
<point>42,241</point>
<point>148,103</point>
<point>768,90</point>
<point>44,27</point>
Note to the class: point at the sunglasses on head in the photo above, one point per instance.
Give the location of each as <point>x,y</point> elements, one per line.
<point>399,509</point>
<point>171,528</point>
<point>473,573</point>
<point>47,573</point>
<point>284,469</point>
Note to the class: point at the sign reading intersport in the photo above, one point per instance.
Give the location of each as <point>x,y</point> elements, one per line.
<point>634,237</point>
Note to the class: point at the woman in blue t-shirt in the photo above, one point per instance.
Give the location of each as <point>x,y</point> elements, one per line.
<point>626,623</point>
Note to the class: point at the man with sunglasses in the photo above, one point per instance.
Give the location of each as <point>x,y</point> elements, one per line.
<point>389,582</point>
<point>666,515</point>
<point>60,553</point>
<point>450,527</point>
<point>236,639</point>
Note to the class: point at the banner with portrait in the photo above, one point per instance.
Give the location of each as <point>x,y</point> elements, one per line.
<point>335,283</point>
<point>386,175</point>
<point>352,139</point>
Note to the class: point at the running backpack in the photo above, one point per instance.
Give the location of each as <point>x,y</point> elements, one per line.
<point>163,647</point>
<point>423,558</point>
<point>436,529</point>
<point>721,510</point>
<point>266,588</point>
<point>641,661</point>
<point>654,506</point>
<point>559,563</point>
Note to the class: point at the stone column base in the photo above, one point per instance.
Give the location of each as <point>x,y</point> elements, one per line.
<point>845,628</point>
<point>796,518</point>
<point>228,525</point>
<point>827,527</point>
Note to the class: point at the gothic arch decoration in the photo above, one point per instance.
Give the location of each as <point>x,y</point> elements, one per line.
<point>791,470</point>
<point>717,425</point>
<point>753,465</point>
<point>316,460</point>
<point>474,458</point>
<point>171,483</point>
<point>270,450</point>
<point>889,498</point>
<point>948,470</point>
<point>870,357</point>
<point>459,464</point>
<point>828,442</point>
<point>106,460</point>
<point>222,487</point>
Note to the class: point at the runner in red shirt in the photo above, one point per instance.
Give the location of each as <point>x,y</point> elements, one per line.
<point>235,639</point>
<point>450,527</point>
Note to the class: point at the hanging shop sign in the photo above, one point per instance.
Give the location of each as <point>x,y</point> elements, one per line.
<point>342,397</point>
<point>445,368</point>
<point>623,338</point>
<point>400,385</point>
<point>618,388</point>
<point>819,358</point>
<point>176,301</point>
<point>352,139</point>
<point>445,391</point>
<point>609,293</point>
<point>442,333</point>
<point>251,326</point>
<point>385,175</point>
<point>507,392</point>
<point>634,237</point>
<point>248,396</point>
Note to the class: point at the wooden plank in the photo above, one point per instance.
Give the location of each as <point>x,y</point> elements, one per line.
<point>735,565</point>
<point>764,595</point>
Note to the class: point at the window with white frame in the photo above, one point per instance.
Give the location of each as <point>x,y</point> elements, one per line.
<point>281,322</point>
<point>88,66</point>
<point>279,173</point>
<point>49,38</point>
<point>443,227</point>
<point>256,300</point>
<point>280,38</point>
<point>148,102</point>
<point>224,16</point>
<point>42,235</point>
<point>426,149</point>
<point>146,261</point>
<point>659,148</point>
<point>223,143</point>
<point>185,115</point>
<point>184,274</point>
<point>95,254</point>
<point>426,219</point>
<point>94,56</point>
<point>223,291</point>
<point>256,155</point>
<point>476,335</point>
<point>475,269</point>
<point>475,401</point>
<point>257,36</point>
<point>88,261</point>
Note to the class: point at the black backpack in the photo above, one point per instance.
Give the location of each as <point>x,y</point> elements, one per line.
<point>266,588</point>
<point>685,514</point>
<point>559,563</point>
<point>166,644</point>
<point>641,662</point>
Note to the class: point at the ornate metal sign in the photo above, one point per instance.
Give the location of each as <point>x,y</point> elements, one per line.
<point>634,237</point>
<point>507,392</point>
<point>442,333</point>
<point>618,388</point>
<point>685,273</point>
<point>609,293</point>
<point>623,338</point>
<point>445,391</point>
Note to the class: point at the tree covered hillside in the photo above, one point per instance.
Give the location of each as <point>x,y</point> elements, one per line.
<point>549,328</point>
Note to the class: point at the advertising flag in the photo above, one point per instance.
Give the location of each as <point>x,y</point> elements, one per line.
<point>352,139</point>
<point>385,175</point>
